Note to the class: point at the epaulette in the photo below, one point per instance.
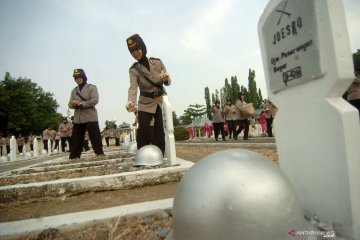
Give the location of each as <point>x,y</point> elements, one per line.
<point>132,66</point>
<point>152,58</point>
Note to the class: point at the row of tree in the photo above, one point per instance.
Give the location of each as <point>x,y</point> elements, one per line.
<point>25,107</point>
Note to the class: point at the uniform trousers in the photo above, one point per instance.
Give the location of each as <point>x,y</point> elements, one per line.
<point>45,143</point>
<point>20,148</point>
<point>219,127</point>
<point>63,143</point>
<point>231,127</point>
<point>151,134</point>
<point>269,126</point>
<point>243,124</point>
<point>56,144</point>
<point>78,136</point>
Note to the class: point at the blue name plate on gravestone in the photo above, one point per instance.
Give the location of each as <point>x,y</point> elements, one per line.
<point>291,43</point>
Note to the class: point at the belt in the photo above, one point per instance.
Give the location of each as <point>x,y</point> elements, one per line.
<point>151,94</point>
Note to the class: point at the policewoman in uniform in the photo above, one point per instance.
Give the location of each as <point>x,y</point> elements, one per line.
<point>242,120</point>
<point>83,99</point>
<point>148,75</point>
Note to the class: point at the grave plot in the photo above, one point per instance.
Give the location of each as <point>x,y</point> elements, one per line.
<point>59,177</point>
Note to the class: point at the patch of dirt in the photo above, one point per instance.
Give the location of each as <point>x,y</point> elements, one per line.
<point>84,202</point>
<point>129,228</point>
<point>149,227</point>
<point>195,153</point>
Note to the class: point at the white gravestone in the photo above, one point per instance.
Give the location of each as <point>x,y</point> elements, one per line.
<point>24,150</point>
<point>60,148</point>
<point>308,66</point>
<point>133,131</point>
<point>170,151</point>
<point>36,147</point>
<point>13,148</point>
<point>67,146</point>
<point>49,146</point>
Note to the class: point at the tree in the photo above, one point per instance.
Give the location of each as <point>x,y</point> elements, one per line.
<point>207,101</point>
<point>245,91</point>
<point>253,93</point>
<point>185,119</point>
<point>176,121</point>
<point>261,100</point>
<point>25,107</point>
<point>191,113</point>
<point>235,88</point>
<point>217,97</point>
<point>227,91</point>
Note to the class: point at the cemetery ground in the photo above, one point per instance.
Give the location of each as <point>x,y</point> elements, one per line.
<point>153,226</point>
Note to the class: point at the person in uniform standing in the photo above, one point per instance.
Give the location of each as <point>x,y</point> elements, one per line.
<point>149,76</point>
<point>218,120</point>
<point>20,141</point>
<point>230,117</point>
<point>270,111</point>
<point>64,130</point>
<point>57,142</point>
<point>117,136</point>
<point>242,120</point>
<point>46,137</point>
<point>30,139</point>
<point>83,99</point>
<point>53,134</point>
<point>107,136</point>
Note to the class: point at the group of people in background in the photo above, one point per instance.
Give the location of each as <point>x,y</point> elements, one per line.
<point>118,134</point>
<point>63,133</point>
<point>237,120</point>
<point>21,141</point>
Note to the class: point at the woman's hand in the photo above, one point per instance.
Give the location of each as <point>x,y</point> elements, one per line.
<point>75,103</point>
<point>164,76</point>
<point>131,106</point>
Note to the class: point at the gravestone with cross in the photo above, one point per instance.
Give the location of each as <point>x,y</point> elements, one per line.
<point>308,66</point>
<point>170,151</point>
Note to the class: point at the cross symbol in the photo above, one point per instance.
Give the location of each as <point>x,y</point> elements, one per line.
<point>282,12</point>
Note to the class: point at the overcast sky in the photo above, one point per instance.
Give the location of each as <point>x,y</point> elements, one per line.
<point>201,43</point>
